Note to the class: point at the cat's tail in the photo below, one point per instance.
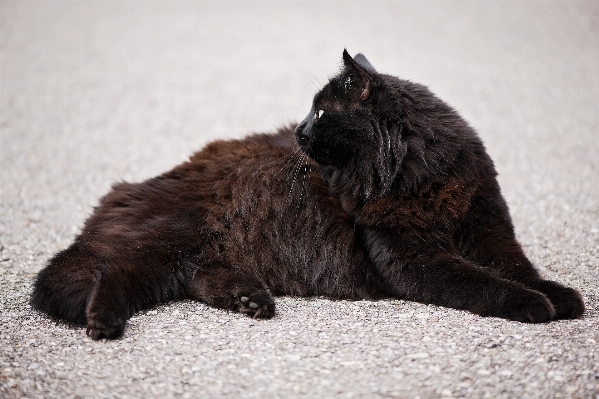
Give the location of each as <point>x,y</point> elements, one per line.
<point>62,289</point>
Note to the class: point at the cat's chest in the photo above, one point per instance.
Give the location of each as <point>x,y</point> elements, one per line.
<point>440,207</point>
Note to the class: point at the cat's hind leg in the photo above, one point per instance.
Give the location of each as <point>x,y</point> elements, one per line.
<point>232,289</point>
<point>107,310</point>
<point>130,284</point>
<point>72,288</point>
<point>62,289</point>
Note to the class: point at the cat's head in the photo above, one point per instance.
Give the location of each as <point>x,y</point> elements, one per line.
<point>343,127</point>
<point>374,129</point>
<point>341,114</point>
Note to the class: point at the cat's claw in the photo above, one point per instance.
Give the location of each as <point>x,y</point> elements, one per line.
<point>259,305</point>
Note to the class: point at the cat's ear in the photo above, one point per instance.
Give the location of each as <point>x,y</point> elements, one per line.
<point>364,63</point>
<point>361,69</point>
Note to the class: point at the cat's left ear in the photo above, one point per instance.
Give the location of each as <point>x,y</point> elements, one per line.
<point>364,63</point>
<point>361,69</point>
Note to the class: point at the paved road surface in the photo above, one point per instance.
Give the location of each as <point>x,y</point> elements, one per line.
<point>92,92</point>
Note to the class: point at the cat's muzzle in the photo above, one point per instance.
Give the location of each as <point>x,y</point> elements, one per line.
<point>302,135</point>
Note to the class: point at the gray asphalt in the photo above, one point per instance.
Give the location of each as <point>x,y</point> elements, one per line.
<point>96,92</point>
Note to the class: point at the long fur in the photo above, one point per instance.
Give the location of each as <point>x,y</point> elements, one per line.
<point>382,191</point>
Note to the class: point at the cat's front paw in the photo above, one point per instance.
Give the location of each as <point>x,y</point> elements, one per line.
<point>257,303</point>
<point>108,324</point>
<point>567,301</point>
<point>527,306</point>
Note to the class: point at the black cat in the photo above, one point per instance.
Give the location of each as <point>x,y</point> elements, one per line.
<point>389,194</point>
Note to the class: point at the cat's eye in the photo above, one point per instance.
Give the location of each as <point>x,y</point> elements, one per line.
<point>318,114</point>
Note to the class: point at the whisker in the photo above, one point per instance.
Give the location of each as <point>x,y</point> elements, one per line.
<point>316,77</point>
<point>295,174</point>
<point>303,180</point>
<point>290,157</point>
<point>307,73</point>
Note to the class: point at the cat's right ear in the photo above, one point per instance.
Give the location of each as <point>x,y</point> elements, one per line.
<point>362,73</point>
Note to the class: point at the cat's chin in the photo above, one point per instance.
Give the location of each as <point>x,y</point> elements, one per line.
<point>320,158</point>
<point>308,151</point>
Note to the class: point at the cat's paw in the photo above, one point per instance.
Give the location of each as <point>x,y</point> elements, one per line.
<point>108,325</point>
<point>256,303</point>
<point>567,301</point>
<point>527,306</point>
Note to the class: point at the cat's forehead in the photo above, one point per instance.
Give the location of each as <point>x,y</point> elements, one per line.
<point>325,94</point>
<point>333,95</point>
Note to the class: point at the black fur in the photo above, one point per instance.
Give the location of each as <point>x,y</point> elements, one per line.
<point>390,194</point>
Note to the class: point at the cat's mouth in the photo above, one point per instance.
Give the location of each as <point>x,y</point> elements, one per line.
<point>320,151</point>
<point>320,147</point>
<point>302,135</point>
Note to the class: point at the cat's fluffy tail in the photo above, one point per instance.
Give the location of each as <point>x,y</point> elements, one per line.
<point>64,286</point>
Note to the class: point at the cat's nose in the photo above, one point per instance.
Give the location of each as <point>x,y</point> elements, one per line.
<point>300,128</point>
<point>302,134</point>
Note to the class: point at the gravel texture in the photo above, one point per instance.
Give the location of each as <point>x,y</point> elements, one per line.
<point>95,92</point>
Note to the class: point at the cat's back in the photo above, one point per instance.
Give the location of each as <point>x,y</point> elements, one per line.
<point>186,196</point>
<point>225,154</point>
<point>227,171</point>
